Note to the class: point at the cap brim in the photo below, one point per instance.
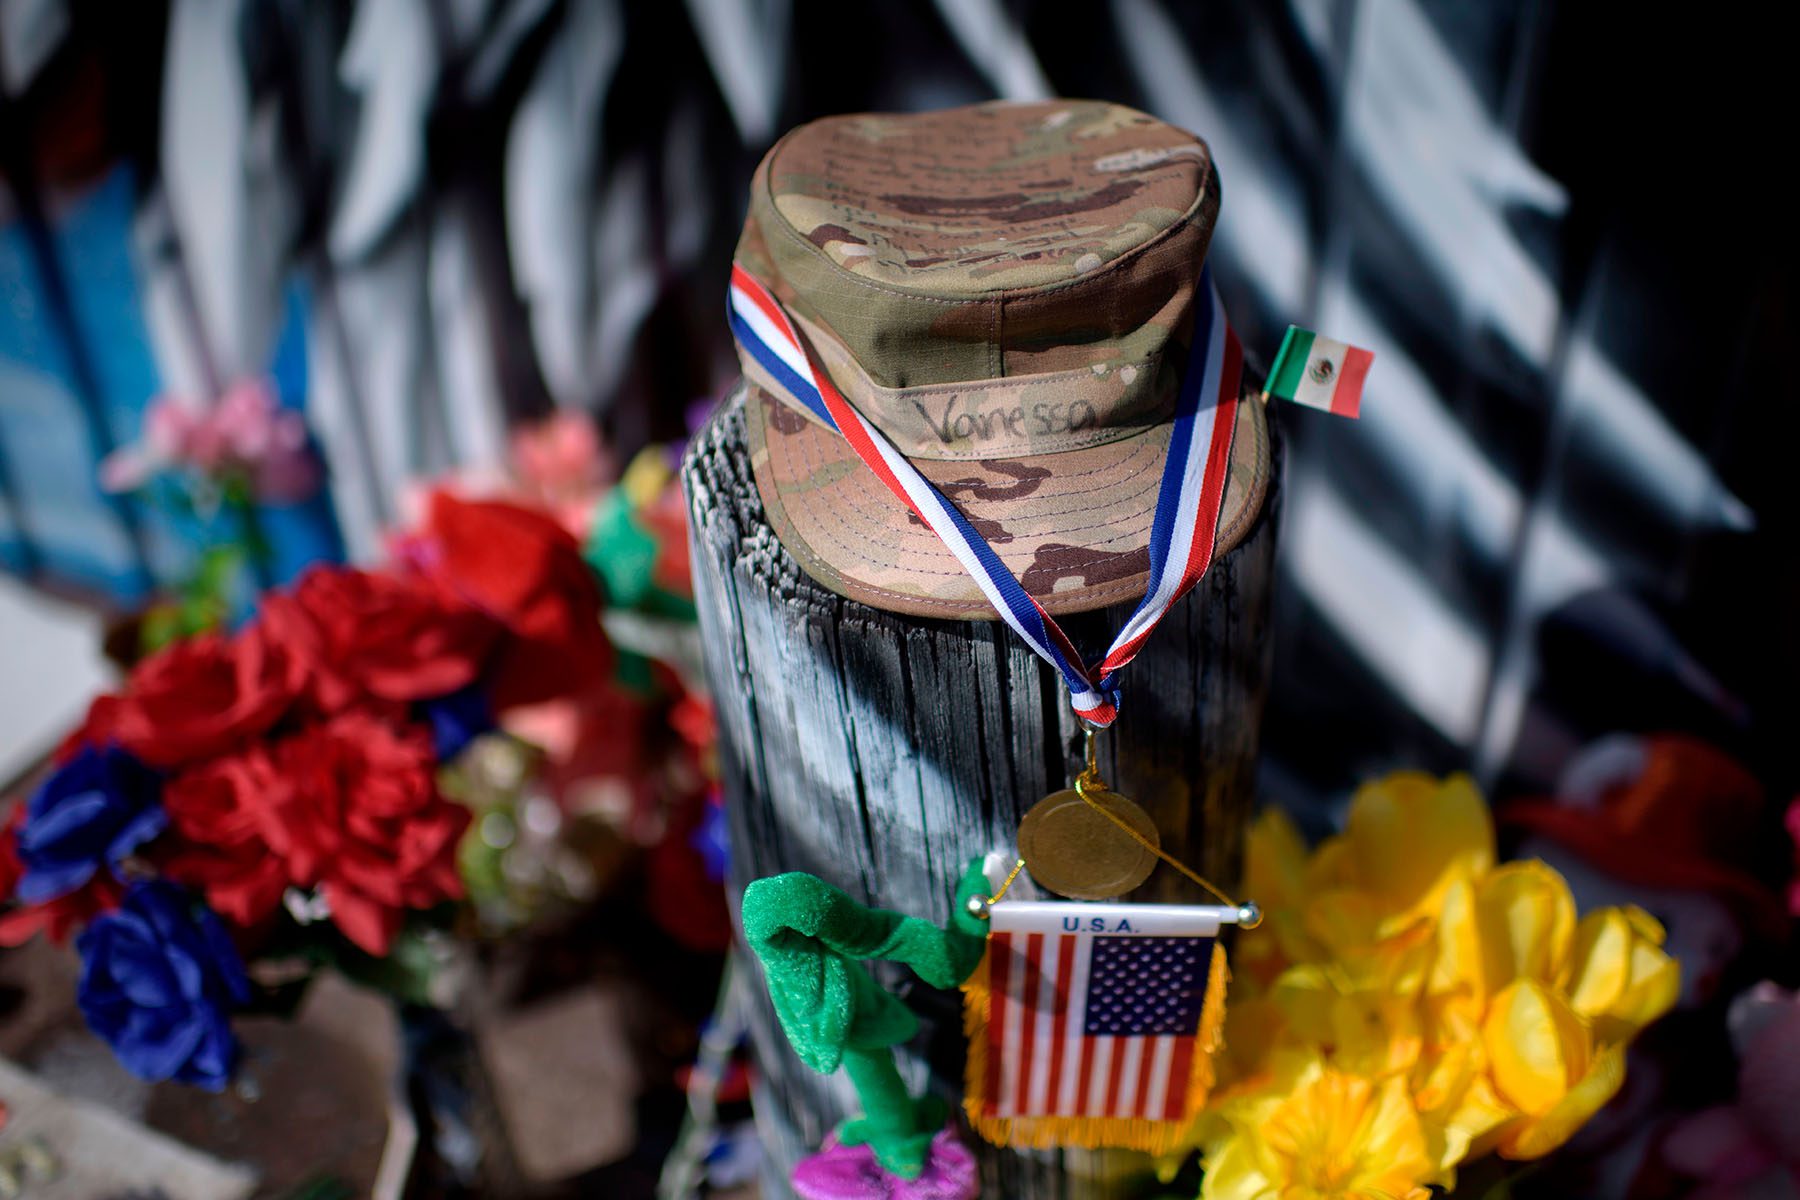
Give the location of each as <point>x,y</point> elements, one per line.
<point>1073,527</point>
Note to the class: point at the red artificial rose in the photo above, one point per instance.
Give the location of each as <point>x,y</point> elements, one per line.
<point>197,698</point>
<point>59,917</point>
<point>526,571</point>
<point>360,634</point>
<point>369,825</point>
<point>230,823</point>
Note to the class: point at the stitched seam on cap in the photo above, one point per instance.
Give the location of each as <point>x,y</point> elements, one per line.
<point>1149,362</point>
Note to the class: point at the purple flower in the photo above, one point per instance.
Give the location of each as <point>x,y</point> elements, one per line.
<point>840,1172</point>
<point>456,719</point>
<point>712,837</point>
<point>159,979</point>
<point>95,809</point>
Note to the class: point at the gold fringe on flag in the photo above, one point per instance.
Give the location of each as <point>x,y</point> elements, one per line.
<point>1126,1133</point>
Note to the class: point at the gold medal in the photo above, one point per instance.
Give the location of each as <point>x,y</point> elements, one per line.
<point>1072,849</point>
<point>1075,842</point>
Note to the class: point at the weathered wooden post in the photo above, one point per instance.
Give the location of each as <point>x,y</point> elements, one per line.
<point>881,750</point>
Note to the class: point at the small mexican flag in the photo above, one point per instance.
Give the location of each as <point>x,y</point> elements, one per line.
<point>1319,373</point>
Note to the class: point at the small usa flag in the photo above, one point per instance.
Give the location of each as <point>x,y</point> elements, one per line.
<point>1094,1024</point>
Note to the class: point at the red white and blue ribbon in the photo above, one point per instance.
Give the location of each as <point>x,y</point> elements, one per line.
<point>1187,504</point>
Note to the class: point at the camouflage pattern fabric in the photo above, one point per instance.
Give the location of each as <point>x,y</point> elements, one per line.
<point>1007,291</point>
<point>1073,527</point>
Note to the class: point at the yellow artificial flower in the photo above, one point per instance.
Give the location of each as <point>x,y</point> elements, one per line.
<point>1450,1081</point>
<point>1459,966</point>
<point>1370,944</point>
<point>1375,1033</point>
<point>1373,891</point>
<point>1538,1045</point>
<point>1515,922</point>
<point>1409,1005</point>
<point>1405,835</point>
<point>1618,975</point>
<point>1554,1002</point>
<point>1366,899</point>
<point>1330,1135</point>
<point>1367,1031</point>
<point>1527,918</point>
<point>1545,1066</point>
<point>1275,861</point>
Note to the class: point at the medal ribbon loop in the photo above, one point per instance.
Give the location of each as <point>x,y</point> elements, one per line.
<point>1189,499</point>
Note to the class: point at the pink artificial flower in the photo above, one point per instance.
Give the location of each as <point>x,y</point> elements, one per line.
<point>559,453</point>
<point>560,463</point>
<point>169,429</point>
<point>247,431</point>
<point>266,440</point>
<point>244,420</point>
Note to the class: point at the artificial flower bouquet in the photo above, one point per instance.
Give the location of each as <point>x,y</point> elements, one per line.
<point>1411,1005</point>
<point>618,774</point>
<point>630,763</point>
<point>272,794</point>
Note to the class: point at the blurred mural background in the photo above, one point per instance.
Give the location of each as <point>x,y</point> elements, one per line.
<point>422,223</point>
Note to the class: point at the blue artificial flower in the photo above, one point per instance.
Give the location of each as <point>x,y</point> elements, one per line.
<point>159,979</point>
<point>712,838</point>
<point>457,719</point>
<point>94,809</point>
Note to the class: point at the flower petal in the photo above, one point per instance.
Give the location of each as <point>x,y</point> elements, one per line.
<point>1537,1046</point>
<point>370,925</point>
<point>1619,976</point>
<point>1527,923</point>
<point>1408,830</point>
<point>1534,1139</point>
<point>1232,1174</point>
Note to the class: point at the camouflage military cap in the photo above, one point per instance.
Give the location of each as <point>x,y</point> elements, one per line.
<point>1007,291</point>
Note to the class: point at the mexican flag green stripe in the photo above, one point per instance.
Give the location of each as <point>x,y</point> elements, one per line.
<point>1319,372</point>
